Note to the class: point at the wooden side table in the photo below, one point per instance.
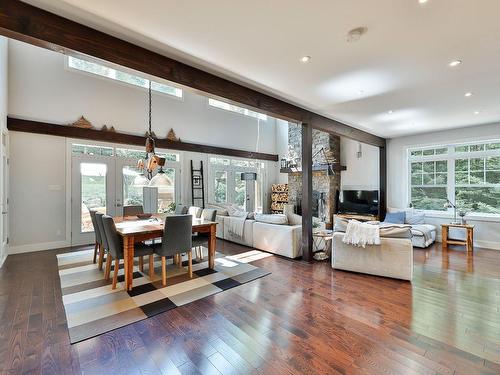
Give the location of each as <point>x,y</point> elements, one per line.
<point>468,243</point>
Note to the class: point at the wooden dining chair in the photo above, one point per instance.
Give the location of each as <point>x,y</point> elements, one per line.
<point>132,210</point>
<point>201,239</point>
<point>104,243</point>
<point>175,241</point>
<point>115,250</point>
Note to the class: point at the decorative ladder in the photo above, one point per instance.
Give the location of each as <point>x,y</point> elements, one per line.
<point>197,185</point>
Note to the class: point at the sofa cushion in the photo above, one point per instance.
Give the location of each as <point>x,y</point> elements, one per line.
<point>395,231</point>
<point>395,217</point>
<point>278,219</point>
<point>415,219</point>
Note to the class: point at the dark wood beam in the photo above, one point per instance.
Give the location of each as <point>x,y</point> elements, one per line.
<point>25,22</point>
<point>307,223</point>
<point>382,182</point>
<point>27,126</point>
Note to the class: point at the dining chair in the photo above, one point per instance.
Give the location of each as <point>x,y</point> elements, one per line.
<point>115,250</point>
<point>194,211</point>
<point>176,240</point>
<point>180,209</point>
<point>201,239</point>
<point>97,235</point>
<point>104,242</point>
<point>132,210</point>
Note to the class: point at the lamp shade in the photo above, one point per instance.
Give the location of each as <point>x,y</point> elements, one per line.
<point>160,180</point>
<point>141,180</point>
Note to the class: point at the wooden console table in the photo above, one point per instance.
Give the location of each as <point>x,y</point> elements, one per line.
<point>469,241</point>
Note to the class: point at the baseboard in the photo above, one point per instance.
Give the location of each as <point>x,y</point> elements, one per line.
<point>38,247</point>
<point>492,245</point>
<point>2,261</point>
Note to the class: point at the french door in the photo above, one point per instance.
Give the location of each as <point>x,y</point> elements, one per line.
<point>4,188</point>
<point>92,188</point>
<point>106,184</point>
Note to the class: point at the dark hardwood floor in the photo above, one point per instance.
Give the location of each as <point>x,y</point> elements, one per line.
<point>301,319</point>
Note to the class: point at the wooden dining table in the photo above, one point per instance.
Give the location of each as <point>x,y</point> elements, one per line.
<point>133,229</point>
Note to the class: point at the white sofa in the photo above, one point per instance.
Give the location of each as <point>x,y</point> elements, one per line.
<point>280,239</point>
<point>416,219</point>
<point>392,258</point>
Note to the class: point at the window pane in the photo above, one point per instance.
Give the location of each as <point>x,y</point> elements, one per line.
<point>461,178</point>
<point>234,108</point>
<point>240,191</point>
<point>93,192</point>
<point>166,195</point>
<point>477,178</point>
<point>462,149</point>
<point>132,195</point>
<point>118,75</point>
<point>477,164</point>
<point>476,148</point>
<point>461,165</point>
<point>416,179</point>
<point>478,199</point>
<point>429,167</point>
<point>428,152</point>
<point>220,191</point>
<point>416,153</point>
<point>416,167</point>
<point>428,198</point>
<point>441,151</point>
<point>493,177</point>
<point>493,163</point>
<point>220,161</point>
<point>442,166</point>
<point>428,178</point>
<point>441,178</point>
<point>91,150</point>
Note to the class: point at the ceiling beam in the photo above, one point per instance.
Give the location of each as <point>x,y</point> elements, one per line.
<point>36,26</point>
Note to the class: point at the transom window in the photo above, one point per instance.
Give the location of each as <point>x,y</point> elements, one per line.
<point>234,108</point>
<point>122,76</point>
<point>467,174</point>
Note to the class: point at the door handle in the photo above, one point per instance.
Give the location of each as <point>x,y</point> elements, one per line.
<point>5,212</point>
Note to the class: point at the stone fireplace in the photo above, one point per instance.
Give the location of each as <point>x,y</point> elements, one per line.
<point>322,182</point>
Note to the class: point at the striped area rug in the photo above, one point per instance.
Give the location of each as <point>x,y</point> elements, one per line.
<point>93,308</point>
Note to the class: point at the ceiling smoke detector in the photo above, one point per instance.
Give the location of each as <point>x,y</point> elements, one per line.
<point>355,34</point>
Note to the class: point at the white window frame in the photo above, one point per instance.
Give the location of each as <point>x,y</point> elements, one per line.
<point>212,104</point>
<point>450,157</point>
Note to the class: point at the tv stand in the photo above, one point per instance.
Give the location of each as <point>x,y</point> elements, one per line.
<point>360,217</point>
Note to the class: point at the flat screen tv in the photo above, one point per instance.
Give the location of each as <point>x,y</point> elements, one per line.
<point>363,202</point>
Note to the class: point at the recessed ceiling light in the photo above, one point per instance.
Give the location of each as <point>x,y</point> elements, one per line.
<point>455,63</point>
<point>390,111</point>
<point>476,112</point>
<point>422,1</point>
<point>305,59</point>
<point>468,94</point>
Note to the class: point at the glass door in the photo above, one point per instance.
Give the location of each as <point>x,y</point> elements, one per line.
<point>127,194</point>
<point>93,188</point>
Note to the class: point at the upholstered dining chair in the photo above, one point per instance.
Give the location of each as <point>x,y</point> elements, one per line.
<point>201,239</point>
<point>132,210</point>
<point>97,235</point>
<point>115,250</point>
<point>180,209</point>
<point>104,243</point>
<point>176,240</point>
<point>195,211</point>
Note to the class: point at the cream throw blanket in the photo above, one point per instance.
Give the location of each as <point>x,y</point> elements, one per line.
<point>361,234</point>
<point>237,223</point>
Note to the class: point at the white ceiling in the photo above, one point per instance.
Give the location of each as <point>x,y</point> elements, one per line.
<point>401,64</point>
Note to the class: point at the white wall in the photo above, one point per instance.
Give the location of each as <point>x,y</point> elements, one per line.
<point>487,230</point>
<point>362,173</point>
<point>3,132</point>
<point>48,91</point>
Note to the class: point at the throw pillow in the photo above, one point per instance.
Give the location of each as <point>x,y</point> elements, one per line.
<point>278,219</point>
<point>395,217</point>
<point>415,219</point>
